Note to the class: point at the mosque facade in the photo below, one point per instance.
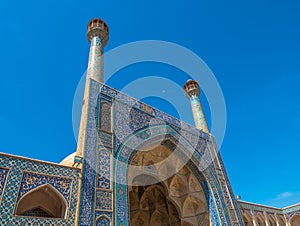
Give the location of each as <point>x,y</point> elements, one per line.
<point>134,165</point>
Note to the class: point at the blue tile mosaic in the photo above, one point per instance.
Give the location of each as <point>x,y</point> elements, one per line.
<point>105,117</point>
<point>3,177</point>
<point>134,123</point>
<point>291,212</point>
<point>103,200</point>
<point>25,175</point>
<point>31,180</point>
<point>104,164</point>
<point>103,221</point>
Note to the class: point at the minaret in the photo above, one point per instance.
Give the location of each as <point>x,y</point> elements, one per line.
<point>192,91</point>
<point>98,36</point>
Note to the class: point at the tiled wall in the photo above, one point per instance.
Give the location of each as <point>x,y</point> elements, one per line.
<point>130,118</point>
<point>18,176</point>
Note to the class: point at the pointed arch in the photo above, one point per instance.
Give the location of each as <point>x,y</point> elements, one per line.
<point>193,207</point>
<point>159,218</point>
<point>150,205</point>
<point>165,200</point>
<point>247,219</point>
<point>261,219</point>
<point>282,221</point>
<point>140,219</point>
<point>178,187</point>
<point>272,220</point>
<point>145,140</point>
<point>295,220</point>
<point>43,201</point>
<point>103,220</point>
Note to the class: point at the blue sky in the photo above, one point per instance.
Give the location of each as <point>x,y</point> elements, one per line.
<point>252,47</point>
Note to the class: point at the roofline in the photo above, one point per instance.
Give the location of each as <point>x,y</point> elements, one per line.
<point>256,204</point>
<point>266,206</point>
<point>288,207</point>
<point>35,160</point>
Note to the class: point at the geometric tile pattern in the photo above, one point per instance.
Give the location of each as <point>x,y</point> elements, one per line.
<point>105,118</point>
<point>105,139</point>
<point>89,166</point>
<point>103,221</point>
<point>103,213</point>
<point>121,208</point>
<point>18,165</point>
<point>103,200</point>
<point>32,180</point>
<point>104,170</point>
<point>135,123</point>
<point>291,211</point>
<point>3,176</point>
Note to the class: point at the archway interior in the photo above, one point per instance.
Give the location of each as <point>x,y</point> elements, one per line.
<point>158,197</point>
<point>149,206</point>
<point>295,221</point>
<point>42,202</point>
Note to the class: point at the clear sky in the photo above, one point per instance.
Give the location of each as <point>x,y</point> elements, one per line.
<point>252,47</point>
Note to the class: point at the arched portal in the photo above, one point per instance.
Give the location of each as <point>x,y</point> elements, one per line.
<point>156,199</point>
<point>187,163</point>
<point>248,221</point>
<point>44,201</point>
<point>295,220</point>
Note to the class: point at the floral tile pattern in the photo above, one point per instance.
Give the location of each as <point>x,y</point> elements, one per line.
<point>3,177</point>
<point>31,180</point>
<point>27,174</point>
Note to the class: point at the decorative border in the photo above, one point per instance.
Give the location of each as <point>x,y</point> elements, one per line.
<point>88,181</point>
<point>3,179</point>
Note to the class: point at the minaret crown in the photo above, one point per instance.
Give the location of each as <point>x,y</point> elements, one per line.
<point>191,88</point>
<point>98,28</point>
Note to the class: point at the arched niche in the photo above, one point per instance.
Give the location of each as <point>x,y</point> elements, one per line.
<point>281,221</point>
<point>158,200</point>
<point>247,219</point>
<point>272,220</point>
<point>43,201</point>
<point>261,219</point>
<point>103,221</point>
<point>295,220</point>
<point>147,139</point>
